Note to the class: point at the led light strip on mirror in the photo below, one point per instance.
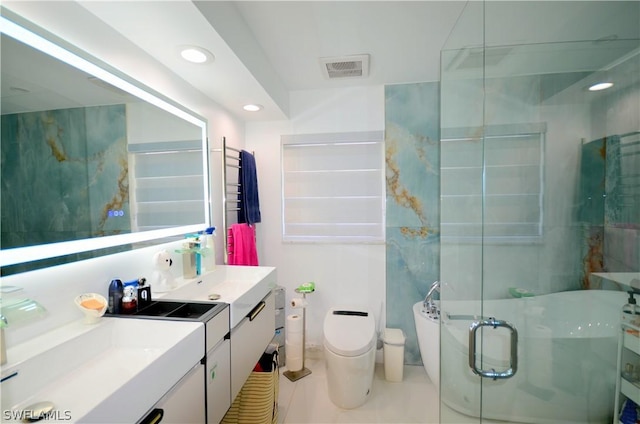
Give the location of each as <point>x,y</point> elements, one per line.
<point>19,255</point>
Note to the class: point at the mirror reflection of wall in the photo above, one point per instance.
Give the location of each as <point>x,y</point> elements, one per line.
<point>83,159</point>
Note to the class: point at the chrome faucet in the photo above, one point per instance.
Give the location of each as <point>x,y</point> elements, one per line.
<point>429,304</point>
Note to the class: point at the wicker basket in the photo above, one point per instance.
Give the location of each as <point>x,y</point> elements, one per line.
<point>257,401</point>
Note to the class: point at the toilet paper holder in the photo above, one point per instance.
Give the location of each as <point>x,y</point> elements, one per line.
<point>304,371</point>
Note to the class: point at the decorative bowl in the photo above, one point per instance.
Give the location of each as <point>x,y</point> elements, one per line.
<point>93,305</point>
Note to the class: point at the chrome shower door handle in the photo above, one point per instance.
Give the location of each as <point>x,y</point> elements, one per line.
<point>494,323</point>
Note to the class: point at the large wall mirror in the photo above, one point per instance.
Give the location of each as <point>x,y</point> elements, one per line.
<point>91,159</point>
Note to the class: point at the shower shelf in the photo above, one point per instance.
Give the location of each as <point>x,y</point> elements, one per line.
<point>630,390</point>
<point>632,342</point>
<point>628,352</point>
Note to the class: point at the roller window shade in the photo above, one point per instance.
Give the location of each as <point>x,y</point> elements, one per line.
<point>333,187</point>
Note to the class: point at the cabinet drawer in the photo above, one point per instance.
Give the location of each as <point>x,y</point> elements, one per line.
<point>216,329</point>
<point>218,382</point>
<point>249,339</point>
<point>185,402</point>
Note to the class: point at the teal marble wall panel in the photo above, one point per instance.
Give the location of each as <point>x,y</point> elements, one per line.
<point>591,209</point>
<point>108,170</point>
<point>609,209</point>
<point>413,209</point>
<point>622,203</point>
<point>64,175</point>
<point>592,179</point>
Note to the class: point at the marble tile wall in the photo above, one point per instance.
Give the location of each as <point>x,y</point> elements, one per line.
<point>608,211</point>
<point>413,209</point>
<point>64,175</point>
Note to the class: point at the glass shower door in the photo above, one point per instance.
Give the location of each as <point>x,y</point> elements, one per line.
<point>461,213</point>
<point>519,244</point>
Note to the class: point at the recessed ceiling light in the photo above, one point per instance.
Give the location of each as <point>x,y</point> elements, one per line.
<point>195,54</point>
<point>601,86</point>
<point>252,108</point>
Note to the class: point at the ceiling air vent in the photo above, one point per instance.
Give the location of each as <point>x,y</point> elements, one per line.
<point>355,66</point>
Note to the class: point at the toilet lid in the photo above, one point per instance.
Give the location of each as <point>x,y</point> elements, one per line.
<point>349,332</point>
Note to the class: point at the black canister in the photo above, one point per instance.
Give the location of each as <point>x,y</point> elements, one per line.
<point>116,292</point>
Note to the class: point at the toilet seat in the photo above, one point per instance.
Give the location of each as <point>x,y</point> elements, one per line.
<point>349,332</point>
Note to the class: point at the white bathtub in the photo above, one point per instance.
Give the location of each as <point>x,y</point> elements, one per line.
<point>566,352</point>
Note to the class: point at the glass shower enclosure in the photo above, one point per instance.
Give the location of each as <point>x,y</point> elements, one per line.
<point>540,208</point>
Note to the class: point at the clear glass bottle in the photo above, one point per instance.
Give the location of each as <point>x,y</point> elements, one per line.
<point>627,373</point>
<point>631,311</point>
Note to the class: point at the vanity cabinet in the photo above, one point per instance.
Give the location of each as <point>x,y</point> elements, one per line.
<point>628,378</point>
<point>218,367</point>
<point>184,403</point>
<point>249,339</point>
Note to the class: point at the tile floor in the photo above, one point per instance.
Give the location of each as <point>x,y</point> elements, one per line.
<point>414,400</point>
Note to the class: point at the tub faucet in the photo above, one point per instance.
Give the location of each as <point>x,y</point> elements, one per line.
<point>429,304</point>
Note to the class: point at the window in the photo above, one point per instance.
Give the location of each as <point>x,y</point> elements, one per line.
<point>333,187</point>
<point>492,187</point>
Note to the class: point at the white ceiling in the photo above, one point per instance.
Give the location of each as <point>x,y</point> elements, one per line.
<point>266,49</point>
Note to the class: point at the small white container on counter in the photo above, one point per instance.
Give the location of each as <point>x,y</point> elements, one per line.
<point>93,305</point>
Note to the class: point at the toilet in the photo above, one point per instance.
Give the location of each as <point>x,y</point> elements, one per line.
<point>350,355</point>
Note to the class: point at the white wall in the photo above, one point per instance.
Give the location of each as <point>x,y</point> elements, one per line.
<point>345,274</point>
<point>56,287</point>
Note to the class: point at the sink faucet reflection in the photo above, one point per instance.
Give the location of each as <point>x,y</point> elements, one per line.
<point>18,311</point>
<point>429,304</point>
<point>3,345</point>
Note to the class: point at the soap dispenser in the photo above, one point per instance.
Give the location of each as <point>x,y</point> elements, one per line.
<point>208,243</point>
<point>630,307</point>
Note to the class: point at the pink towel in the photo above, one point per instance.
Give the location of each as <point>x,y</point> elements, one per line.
<point>242,245</point>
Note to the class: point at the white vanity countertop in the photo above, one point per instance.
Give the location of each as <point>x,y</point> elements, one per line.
<point>242,287</point>
<point>110,372</point>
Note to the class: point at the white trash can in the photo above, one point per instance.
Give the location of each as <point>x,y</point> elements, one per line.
<point>393,354</point>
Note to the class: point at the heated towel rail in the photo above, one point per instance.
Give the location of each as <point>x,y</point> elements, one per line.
<point>627,188</point>
<point>231,191</point>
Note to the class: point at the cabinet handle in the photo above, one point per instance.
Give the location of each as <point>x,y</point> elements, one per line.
<point>254,313</point>
<point>154,417</point>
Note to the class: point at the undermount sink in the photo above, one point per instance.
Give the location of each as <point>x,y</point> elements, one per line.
<point>242,287</point>
<point>113,371</point>
<point>177,310</point>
